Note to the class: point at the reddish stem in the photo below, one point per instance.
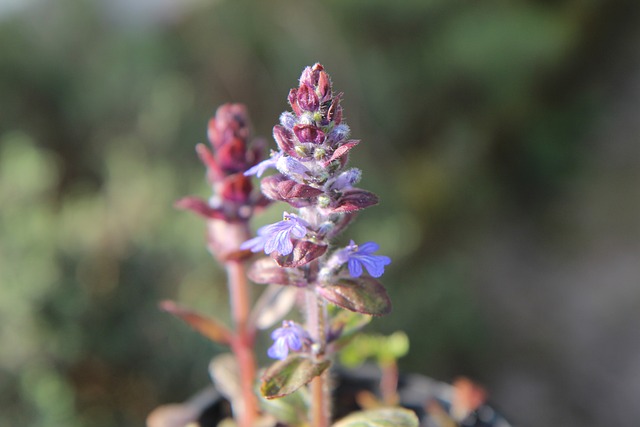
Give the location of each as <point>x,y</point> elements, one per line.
<point>320,398</point>
<point>242,342</point>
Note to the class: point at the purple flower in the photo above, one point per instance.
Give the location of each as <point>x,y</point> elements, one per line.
<point>290,336</point>
<point>346,179</point>
<point>277,237</point>
<point>357,256</point>
<point>261,167</point>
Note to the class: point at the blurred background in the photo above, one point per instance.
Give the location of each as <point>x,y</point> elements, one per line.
<point>502,138</point>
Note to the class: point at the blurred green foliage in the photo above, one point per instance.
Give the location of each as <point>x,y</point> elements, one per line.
<point>467,110</point>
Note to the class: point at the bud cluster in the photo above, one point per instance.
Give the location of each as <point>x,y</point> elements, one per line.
<point>233,198</point>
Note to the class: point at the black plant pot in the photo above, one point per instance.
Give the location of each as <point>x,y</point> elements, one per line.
<point>421,394</point>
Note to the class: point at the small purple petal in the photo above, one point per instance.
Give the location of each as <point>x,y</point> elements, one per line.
<point>261,167</point>
<point>289,337</point>
<point>254,245</point>
<point>355,269</point>
<point>277,237</point>
<point>362,256</point>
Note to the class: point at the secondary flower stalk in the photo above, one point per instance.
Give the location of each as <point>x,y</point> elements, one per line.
<point>228,211</point>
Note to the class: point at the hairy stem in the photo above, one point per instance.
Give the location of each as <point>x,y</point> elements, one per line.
<point>242,343</point>
<point>320,394</point>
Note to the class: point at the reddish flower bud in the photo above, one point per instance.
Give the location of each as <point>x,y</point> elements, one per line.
<point>324,87</point>
<point>309,133</point>
<point>232,156</point>
<point>311,75</point>
<point>236,188</point>
<point>307,99</point>
<point>279,187</point>
<point>293,101</point>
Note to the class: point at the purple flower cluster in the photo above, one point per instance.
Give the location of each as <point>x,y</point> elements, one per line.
<point>312,176</point>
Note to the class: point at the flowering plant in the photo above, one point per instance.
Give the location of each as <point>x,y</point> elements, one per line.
<point>335,288</point>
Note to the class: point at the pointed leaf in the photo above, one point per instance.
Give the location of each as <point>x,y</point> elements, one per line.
<point>285,139</point>
<point>200,207</point>
<point>288,375</point>
<point>303,253</point>
<point>363,295</point>
<point>381,417</point>
<point>209,327</point>
<point>341,151</point>
<point>354,199</point>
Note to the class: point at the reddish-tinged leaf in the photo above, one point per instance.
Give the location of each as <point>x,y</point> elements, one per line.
<point>214,172</point>
<point>363,295</point>
<point>354,199</point>
<point>342,150</point>
<point>279,187</point>
<point>284,138</point>
<point>209,327</point>
<point>266,271</point>
<point>200,207</point>
<point>303,253</point>
<point>288,375</point>
<point>335,110</point>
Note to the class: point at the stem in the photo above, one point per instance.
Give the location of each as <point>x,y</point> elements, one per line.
<point>389,382</point>
<point>320,396</point>
<point>242,343</point>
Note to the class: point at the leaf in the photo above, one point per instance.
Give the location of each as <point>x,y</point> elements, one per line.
<point>341,151</point>
<point>363,295</point>
<point>303,253</point>
<point>209,327</point>
<point>288,375</point>
<point>381,417</point>
<point>200,207</point>
<point>274,303</point>
<point>354,199</point>
<point>291,410</point>
<point>344,324</point>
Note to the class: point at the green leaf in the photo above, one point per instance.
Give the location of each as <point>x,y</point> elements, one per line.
<point>346,324</point>
<point>385,349</point>
<point>363,295</point>
<point>207,326</point>
<point>291,409</point>
<point>381,417</point>
<point>286,376</point>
